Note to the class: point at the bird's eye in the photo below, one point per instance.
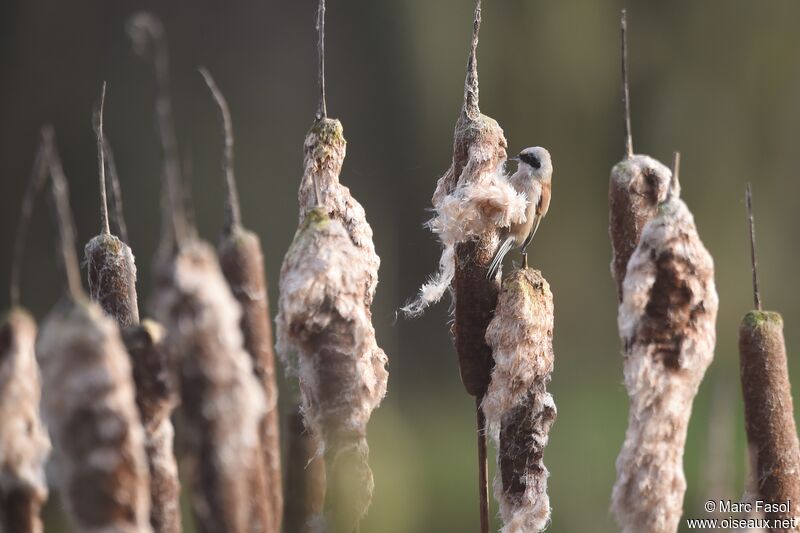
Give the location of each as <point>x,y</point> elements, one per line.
<point>532,160</point>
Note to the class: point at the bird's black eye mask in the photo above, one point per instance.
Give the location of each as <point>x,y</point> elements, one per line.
<point>531,159</point>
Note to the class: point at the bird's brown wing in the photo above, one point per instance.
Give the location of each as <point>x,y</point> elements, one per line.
<point>541,210</point>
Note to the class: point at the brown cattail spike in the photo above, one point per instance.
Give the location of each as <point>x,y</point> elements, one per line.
<point>101,164</point>
<point>626,104</point>
<point>233,217</point>
<point>322,108</point>
<point>769,414</point>
<point>147,34</point>
<point>156,398</point>
<point>636,188</point>
<point>748,198</point>
<point>242,262</point>
<point>63,214</point>
<point>23,439</point>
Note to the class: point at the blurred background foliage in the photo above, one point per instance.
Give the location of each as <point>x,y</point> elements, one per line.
<point>717,80</point>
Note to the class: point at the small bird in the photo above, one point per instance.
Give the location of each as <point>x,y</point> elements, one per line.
<point>533,178</point>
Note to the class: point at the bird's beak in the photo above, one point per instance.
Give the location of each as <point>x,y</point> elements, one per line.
<point>513,158</point>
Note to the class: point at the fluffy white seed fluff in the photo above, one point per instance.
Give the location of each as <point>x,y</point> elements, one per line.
<point>482,201</point>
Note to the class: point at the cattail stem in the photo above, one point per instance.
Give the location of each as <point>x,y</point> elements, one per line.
<point>305,477</point>
<point>626,105</point>
<point>233,217</point>
<point>675,184</point>
<point>101,164</point>
<point>748,198</point>
<point>147,33</point>
<point>116,191</point>
<point>36,181</point>
<point>322,108</point>
<point>63,215</point>
<point>483,468</point>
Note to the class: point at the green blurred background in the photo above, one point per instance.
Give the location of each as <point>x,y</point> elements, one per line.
<point>718,80</point>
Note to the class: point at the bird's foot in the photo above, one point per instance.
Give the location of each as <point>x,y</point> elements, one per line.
<point>525,260</point>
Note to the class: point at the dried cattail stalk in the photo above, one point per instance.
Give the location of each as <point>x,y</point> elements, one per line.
<point>149,41</point>
<point>518,408</point>
<point>88,398</point>
<point>221,401</point>
<point>637,186</point>
<point>305,477</point>
<point>242,261</point>
<point>24,444</point>
<point>667,324</point>
<point>768,405</point>
<point>470,192</point>
<point>109,261</point>
<point>324,323</point>
<point>156,398</point>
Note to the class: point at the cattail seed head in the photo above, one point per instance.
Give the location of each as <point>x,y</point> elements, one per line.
<point>112,278</point>
<point>769,411</point>
<point>324,324</point>
<point>519,410</point>
<point>156,398</point>
<point>636,188</point>
<point>24,443</point>
<point>667,322</point>
<point>89,406</point>
<point>222,403</point>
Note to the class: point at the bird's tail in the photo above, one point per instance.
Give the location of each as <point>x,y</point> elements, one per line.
<point>497,262</point>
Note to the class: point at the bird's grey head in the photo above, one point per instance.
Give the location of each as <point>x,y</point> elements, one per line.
<point>536,160</point>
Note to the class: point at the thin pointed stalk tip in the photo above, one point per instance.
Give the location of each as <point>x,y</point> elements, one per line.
<point>105,229</point>
<point>753,259</point>
<point>233,217</point>
<point>623,25</point>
